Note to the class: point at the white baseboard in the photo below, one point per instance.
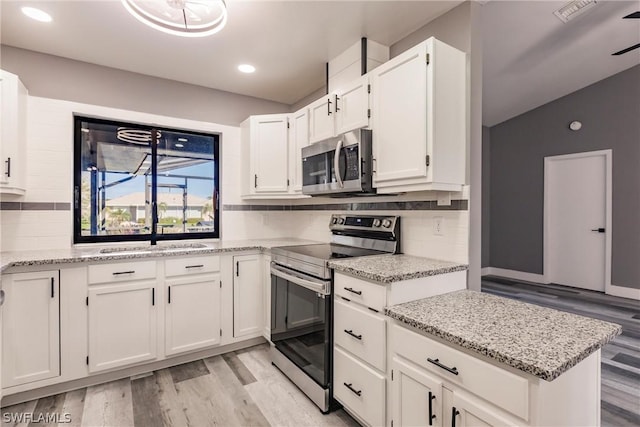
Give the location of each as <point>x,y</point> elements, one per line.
<point>621,291</point>
<point>513,274</point>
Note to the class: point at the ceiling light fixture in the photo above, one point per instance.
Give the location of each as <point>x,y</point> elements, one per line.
<point>246,68</point>
<point>37,14</point>
<point>186,18</point>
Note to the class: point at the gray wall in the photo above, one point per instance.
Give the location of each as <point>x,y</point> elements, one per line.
<point>486,196</point>
<point>55,77</point>
<point>610,113</point>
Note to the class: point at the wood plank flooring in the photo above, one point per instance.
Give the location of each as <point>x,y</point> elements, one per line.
<point>620,358</point>
<point>236,389</point>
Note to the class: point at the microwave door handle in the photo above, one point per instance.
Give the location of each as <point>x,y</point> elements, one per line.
<point>336,164</point>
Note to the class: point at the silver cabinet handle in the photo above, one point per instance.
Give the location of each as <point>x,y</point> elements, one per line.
<point>336,164</point>
<point>1,296</point>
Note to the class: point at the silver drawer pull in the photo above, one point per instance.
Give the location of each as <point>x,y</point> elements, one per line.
<point>436,362</point>
<point>123,272</point>
<point>350,332</point>
<point>194,266</point>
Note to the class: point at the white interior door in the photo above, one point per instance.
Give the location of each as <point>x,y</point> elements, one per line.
<point>576,220</point>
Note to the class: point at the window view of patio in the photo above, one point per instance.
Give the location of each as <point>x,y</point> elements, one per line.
<point>119,198</point>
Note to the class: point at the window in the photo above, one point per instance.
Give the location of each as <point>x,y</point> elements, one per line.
<point>128,189</point>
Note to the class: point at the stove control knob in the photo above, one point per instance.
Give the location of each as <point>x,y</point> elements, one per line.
<point>340,220</point>
<point>376,222</point>
<point>386,223</point>
<point>334,220</point>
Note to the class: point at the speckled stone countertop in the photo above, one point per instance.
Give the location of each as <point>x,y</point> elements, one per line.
<point>394,268</point>
<point>94,254</point>
<point>541,341</point>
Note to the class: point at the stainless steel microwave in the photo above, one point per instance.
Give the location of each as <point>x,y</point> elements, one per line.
<point>338,166</point>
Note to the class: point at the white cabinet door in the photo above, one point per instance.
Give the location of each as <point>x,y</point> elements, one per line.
<point>321,121</point>
<point>192,313</point>
<point>30,327</point>
<point>352,106</point>
<point>400,116</point>
<point>122,324</point>
<point>416,398</point>
<point>419,119</point>
<point>13,98</point>
<point>248,293</point>
<point>298,139</point>
<point>269,153</point>
<point>470,411</point>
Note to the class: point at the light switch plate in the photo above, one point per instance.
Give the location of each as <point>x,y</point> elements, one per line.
<point>438,226</point>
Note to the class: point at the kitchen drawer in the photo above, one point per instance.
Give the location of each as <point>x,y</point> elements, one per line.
<point>363,292</point>
<point>122,272</point>
<point>498,386</point>
<point>369,342</point>
<point>365,394</point>
<point>191,265</point>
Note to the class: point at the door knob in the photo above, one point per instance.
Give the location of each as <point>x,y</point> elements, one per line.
<point>599,230</point>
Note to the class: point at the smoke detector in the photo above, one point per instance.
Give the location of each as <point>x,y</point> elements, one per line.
<point>572,9</point>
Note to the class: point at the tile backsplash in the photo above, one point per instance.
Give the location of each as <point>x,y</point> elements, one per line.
<point>42,219</point>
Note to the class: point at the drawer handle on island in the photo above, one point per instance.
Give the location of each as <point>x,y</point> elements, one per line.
<point>357,392</point>
<point>353,291</point>
<point>350,332</point>
<point>431,416</point>
<point>454,414</point>
<point>436,362</point>
<point>194,266</point>
<point>117,273</point>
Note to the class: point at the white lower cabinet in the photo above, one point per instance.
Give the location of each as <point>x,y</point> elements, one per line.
<point>30,327</point>
<point>122,325</point>
<point>192,313</point>
<point>248,295</point>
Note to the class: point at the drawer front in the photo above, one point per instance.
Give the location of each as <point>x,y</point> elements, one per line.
<point>359,388</point>
<point>122,272</point>
<point>498,386</point>
<point>361,332</point>
<point>191,265</point>
<point>363,292</point>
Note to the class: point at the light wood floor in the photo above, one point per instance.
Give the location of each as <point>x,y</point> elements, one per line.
<point>236,389</point>
<point>620,358</point>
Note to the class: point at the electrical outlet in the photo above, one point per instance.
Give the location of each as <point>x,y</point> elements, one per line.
<point>438,226</point>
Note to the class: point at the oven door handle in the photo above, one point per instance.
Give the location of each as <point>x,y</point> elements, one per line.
<point>323,288</point>
<point>336,164</point>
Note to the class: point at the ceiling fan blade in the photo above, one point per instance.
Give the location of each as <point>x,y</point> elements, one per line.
<point>634,15</point>
<point>629,49</point>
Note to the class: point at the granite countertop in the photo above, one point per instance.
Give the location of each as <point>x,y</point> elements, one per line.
<point>122,252</point>
<point>394,268</point>
<point>538,340</point>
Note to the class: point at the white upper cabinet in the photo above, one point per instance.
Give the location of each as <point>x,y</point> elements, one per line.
<point>339,112</point>
<point>13,134</point>
<point>265,155</point>
<point>298,139</point>
<point>419,120</point>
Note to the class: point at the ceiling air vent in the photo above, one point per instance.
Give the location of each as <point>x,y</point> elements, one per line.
<point>572,9</point>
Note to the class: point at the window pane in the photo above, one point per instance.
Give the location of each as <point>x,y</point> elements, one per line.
<point>186,183</point>
<point>115,179</point>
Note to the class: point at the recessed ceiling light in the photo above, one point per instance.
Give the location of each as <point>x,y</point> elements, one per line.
<point>37,14</point>
<point>246,68</point>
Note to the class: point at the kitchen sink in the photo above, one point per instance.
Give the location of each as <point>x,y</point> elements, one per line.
<point>153,248</point>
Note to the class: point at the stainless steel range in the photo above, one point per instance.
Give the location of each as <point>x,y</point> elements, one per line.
<point>302,303</point>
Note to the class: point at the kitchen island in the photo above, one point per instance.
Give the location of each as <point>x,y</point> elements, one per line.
<point>489,360</point>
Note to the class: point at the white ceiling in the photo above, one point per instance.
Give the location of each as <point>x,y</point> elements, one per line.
<point>529,56</point>
<point>287,41</point>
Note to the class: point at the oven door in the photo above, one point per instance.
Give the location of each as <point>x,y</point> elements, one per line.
<point>301,321</point>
